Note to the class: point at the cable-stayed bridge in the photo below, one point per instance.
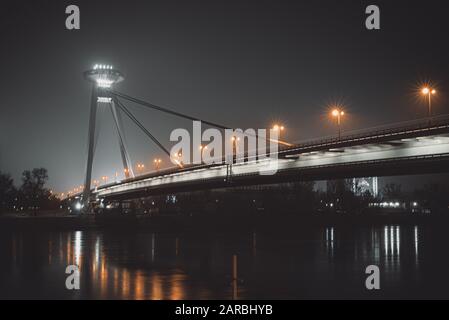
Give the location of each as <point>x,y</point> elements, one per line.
<point>414,147</point>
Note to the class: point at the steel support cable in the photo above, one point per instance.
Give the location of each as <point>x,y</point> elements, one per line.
<point>175,113</point>
<point>122,143</point>
<point>178,114</point>
<point>140,125</point>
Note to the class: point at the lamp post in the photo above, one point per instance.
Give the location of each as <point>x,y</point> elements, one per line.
<point>337,113</point>
<point>279,128</point>
<point>140,167</point>
<point>157,163</point>
<point>235,141</point>
<point>202,148</point>
<point>428,93</point>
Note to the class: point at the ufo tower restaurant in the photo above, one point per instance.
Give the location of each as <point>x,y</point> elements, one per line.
<point>103,78</point>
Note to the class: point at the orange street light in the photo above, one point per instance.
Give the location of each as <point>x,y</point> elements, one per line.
<point>279,128</point>
<point>157,163</point>
<point>140,167</point>
<point>202,148</point>
<point>234,140</point>
<point>126,171</point>
<point>177,158</point>
<point>429,92</point>
<point>337,113</point>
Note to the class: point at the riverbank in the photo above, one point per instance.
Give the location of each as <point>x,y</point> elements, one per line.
<point>210,222</point>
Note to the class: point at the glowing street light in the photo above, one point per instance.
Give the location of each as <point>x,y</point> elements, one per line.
<point>279,128</point>
<point>177,158</point>
<point>140,167</point>
<point>428,93</point>
<point>337,113</point>
<point>202,148</point>
<point>157,162</point>
<point>78,206</point>
<point>235,141</point>
<point>127,173</point>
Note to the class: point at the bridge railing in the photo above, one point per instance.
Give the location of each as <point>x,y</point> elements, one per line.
<point>392,128</point>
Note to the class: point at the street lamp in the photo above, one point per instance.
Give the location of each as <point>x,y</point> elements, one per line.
<point>202,148</point>
<point>177,158</point>
<point>429,92</point>
<point>279,128</point>
<point>337,113</point>
<point>157,163</point>
<point>235,140</point>
<point>140,167</point>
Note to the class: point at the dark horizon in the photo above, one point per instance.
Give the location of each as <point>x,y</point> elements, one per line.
<point>265,62</point>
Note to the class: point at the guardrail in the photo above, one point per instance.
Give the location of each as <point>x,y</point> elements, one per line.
<point>386,128</point>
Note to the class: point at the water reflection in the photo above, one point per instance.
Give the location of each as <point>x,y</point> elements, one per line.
<point>329,232</point>
<point>175,266</point>
<point>121,276</point>
<point>78,248</point>
<point>379,246</point>
<point>152,247</point>
<point>392,249</point>
<point>392,240</point>
<point>416,244</point>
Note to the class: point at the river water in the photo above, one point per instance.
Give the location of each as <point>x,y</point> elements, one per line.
<point>318,262</point>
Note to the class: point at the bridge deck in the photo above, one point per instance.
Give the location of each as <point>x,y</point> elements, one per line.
<point>413,148</point>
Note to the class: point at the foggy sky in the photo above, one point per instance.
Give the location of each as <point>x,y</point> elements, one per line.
<point>240,63</point>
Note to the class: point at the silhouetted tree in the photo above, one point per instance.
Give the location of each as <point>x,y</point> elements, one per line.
<point>433,196</point>
<point>33,194</point>
<point>346,195</point>
<point>7,192</point>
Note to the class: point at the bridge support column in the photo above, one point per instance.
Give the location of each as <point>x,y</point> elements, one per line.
<point>91,147</point>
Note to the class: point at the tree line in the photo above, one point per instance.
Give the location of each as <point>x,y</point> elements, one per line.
<point>31,196</point>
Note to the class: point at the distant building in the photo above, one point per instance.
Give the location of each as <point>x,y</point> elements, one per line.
<point>362,185</point>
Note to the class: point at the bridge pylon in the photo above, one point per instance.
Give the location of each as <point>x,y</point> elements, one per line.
<point>103,77</point>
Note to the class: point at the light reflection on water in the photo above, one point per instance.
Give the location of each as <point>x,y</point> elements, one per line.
<point>324,262</point>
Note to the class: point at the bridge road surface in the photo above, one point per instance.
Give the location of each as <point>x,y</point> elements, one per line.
<point>412,149</point>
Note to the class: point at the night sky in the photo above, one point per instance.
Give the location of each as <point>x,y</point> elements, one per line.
<point>239,63</point>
